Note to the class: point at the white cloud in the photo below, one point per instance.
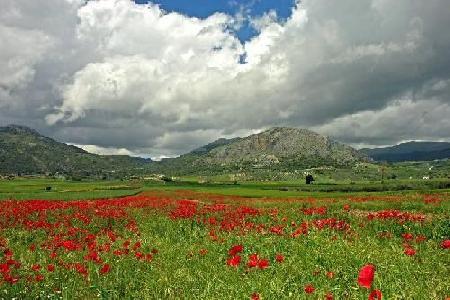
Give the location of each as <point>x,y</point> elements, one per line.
<point>18,59</point>
<point>116,74</point>
<point>399,121</point>
<point>105,151</point>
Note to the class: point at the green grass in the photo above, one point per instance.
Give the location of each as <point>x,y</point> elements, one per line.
<point>21,189</point>
<point>180,271</point>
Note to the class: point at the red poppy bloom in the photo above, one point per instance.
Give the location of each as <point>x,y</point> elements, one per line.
<point>36,267</point>
<point>263,263</point>
<point>279,258</point>
<point>253,260</point>
<point>329,296</point>
<point>407,236</point>
<point>366,274</point>
<point>309,289</point>
<point>234,261</point>
<point>420,238</point>
<point>375,294</point>
<point>51,267</point>
<point>235,250</point>
<point>80,268</point>
<point>4,268</point>
<point>445,244</point>
<point>330,275</point>
<point>105,269</point>
<point>11,279</point>
<point>39,277</point>
<point>70,245</point>
<point>410,251</point>
<point>137,245</point>
<point>255,296</point>
<point>8,252</point>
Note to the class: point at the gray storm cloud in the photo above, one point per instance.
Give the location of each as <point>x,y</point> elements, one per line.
<point>112,74</point>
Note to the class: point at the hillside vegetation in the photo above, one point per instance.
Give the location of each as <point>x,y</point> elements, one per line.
<point>277,149</point>
<point>25,151</point>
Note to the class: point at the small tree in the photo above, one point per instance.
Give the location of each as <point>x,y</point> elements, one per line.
<point>309,179</point>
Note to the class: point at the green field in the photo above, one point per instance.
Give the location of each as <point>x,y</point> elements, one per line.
<point>154,240</point>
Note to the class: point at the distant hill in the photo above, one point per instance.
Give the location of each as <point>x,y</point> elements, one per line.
<point>220,142</point>
<point>24,151</point>
<point>276,149</point>
<point>410,151</point>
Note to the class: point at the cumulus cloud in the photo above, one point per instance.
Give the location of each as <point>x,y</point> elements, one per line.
<point>105,151</point>
<point>115,74</point>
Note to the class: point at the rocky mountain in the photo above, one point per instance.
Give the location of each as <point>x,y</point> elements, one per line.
<point>410,151</point>
<point>277,149</point>
<point>25,151</point>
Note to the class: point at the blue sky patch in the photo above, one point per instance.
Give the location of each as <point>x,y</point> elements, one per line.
<point>205,8</point>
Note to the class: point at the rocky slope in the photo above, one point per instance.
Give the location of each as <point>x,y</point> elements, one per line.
<point>24,151</point>
<point>278,149</point>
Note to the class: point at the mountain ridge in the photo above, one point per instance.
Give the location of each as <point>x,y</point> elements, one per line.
<point>25,151</point>
<point>277,149</point>
<point>410,151</point>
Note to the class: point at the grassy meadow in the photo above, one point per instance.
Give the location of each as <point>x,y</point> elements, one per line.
<point>184,240</point>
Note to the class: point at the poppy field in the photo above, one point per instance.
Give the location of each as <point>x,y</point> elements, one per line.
<point>185,244</point>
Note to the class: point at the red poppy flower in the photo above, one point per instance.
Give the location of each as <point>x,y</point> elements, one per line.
<point>10,279</point>
<point>407,236</point>
<point>8,252</point>
<point>148,257</point>
<point>410,251</point>
<point>36,267</point>
<point>330,275</point>
<point>279,258</point>
<point>235,250</point>
<point>4,268</point>
<point>234,261</point>
<point>309,289</point>
<point>420,238</point>
<point>80,268</point>
<point>39,277</point>
<point>263,263</point>
<point>51,267</point>
<point>366,274</point>
<point>445,244</point>
<point>105,269</point>
<point>70,245</point>
<point>329,296</point>
<point>137,245</point>
<point>375,294</point>
<point>203,251</point>
<point>253,261</point>
<point>255,296</point>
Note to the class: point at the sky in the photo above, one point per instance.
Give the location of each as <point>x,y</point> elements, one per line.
<point>158,79</point>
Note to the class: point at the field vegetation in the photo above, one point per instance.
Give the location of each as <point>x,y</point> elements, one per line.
<point>185,240</point>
